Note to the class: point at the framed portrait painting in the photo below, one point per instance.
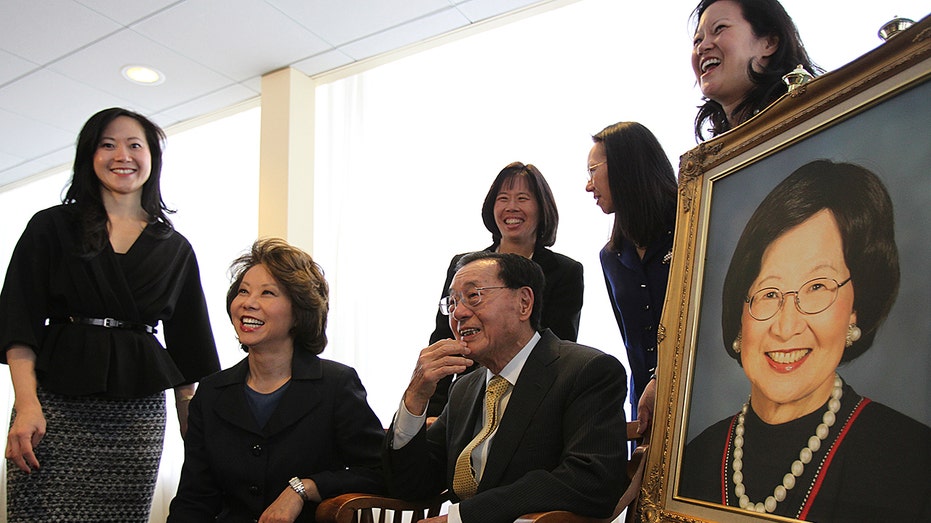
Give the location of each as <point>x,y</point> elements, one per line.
<point>795,346</point>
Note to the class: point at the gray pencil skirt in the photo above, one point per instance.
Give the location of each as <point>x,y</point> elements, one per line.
<point>98,461</point>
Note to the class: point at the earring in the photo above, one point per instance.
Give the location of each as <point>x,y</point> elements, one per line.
<point>736,344</point>
<point>853,334</point>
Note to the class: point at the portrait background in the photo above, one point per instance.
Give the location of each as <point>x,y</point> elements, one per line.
<point>891,139</point>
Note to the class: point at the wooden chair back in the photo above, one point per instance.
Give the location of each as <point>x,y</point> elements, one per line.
<point>369,508</point>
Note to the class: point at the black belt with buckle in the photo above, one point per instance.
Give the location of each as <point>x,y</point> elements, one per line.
<point>108,323</point>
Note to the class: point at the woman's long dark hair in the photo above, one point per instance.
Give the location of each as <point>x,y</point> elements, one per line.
<point>768,19</point>
<point>642,183</point>
<point>84,190</point>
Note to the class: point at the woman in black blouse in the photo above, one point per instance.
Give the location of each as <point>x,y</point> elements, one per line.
<point>87,285</point>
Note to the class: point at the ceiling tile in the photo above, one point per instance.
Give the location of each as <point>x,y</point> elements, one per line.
<point>411,32</point>
<point>60,60</point>
<point>100,64</point>
<point>7,161</point>
<point>56,100</point>
<point>254,83</point>
<point>226,97</point>
<point>126,12</point>
<point>339,22</point>
<point>61,158</point>
<point>323,62</point>
<point>18,136</point>
<point>43,31</point>
<point>12,66</point>
<point>247,37</point>
<point>477,10</point>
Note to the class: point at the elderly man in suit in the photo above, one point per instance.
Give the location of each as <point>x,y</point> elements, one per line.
<point>549,434</point>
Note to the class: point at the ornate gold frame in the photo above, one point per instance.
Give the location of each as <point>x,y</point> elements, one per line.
<point>896,66</point>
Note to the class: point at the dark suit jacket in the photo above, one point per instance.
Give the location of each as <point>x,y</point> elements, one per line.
<point>561,444</point>
<point>562,307</point>
<point>322,429</point>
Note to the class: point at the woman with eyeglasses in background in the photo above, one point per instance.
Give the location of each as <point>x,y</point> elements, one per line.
<point>631,178</point>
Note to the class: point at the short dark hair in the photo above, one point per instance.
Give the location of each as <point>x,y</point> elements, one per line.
<point>515,272</point>
<point>303,282</point>
<point>84,187</point>
<point>767,18</point>
<point>863,211</point>
<point>548,220</point>
<point>642,183</point>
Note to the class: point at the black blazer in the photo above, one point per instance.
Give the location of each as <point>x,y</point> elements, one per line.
<point>561,444</point>
<point>562,307</point>
<point>322,429</point>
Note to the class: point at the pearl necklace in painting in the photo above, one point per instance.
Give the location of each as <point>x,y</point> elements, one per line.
<point>798,466</point>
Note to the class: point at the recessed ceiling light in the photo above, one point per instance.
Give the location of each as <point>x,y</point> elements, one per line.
<point>143,75</point>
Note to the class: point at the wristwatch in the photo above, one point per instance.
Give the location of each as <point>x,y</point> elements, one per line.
<point>298,487</point>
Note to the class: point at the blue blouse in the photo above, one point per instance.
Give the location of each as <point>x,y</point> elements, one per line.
<point>637,289</point>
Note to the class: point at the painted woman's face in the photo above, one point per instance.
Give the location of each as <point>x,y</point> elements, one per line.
<point>790,358</point>
<point>723,46</point>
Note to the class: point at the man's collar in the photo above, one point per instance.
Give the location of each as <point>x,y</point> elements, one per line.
<point>511,371</point>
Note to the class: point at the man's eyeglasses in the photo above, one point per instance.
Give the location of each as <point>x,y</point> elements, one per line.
<point>593,168</point>
<point>813,297</point>
<point>471,298</point>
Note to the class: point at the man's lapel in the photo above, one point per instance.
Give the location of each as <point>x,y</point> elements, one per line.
<point>534,383</point>
<point>465,410</point>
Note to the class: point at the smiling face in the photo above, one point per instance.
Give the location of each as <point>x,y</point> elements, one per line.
<point>598,183</point>
<point>261,312</point>
<point>516,211</point>
<point>723,46</point>
<point>498,327</point>
<point>123,161</point>
<point>790,359</point>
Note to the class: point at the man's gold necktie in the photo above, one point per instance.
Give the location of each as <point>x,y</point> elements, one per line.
<point>464,477</point>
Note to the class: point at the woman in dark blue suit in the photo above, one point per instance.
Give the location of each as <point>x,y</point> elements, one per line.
<point>630,177</point>
<point>273,435</point>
